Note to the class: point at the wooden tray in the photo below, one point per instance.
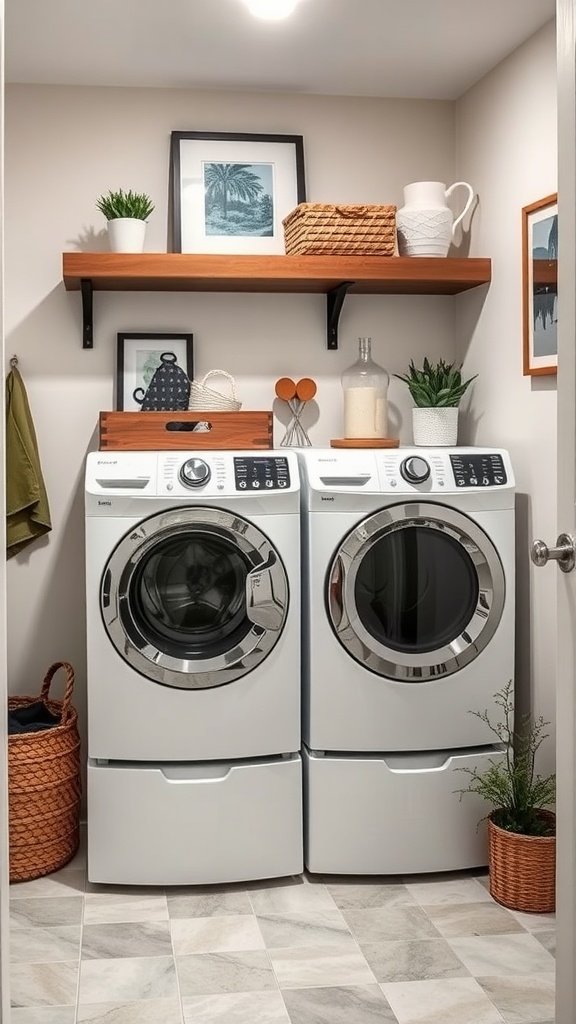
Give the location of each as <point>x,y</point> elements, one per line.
<point>365,442</point>
<point>163,431</point>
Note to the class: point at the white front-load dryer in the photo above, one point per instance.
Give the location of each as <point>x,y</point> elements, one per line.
<point>408,628</point>
<point>193,632</point>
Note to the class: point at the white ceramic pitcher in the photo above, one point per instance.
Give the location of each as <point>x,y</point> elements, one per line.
<point>425,224</point>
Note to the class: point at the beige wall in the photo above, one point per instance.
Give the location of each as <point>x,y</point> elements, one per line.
<point>506,147</point>
<point>63,148</point>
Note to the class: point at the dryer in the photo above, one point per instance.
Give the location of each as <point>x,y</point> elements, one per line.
<point>193,618</point>
<point>408,627</point>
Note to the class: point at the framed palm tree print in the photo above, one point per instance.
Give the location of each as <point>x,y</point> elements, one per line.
<point>229,193</point>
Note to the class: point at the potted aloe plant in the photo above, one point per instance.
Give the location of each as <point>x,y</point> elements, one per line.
<point>126,213</point>
<point>521,826</point>
<point>437,390</point>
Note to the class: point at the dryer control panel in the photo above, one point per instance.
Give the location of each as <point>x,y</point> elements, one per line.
<point>478,470</point>
<point>265,473</point>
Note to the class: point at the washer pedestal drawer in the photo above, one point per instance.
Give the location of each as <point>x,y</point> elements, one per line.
<point>186,824</point>
<point>396,814</point>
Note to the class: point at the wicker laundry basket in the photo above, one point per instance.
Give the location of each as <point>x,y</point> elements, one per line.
<point>322,229</point>
<point>523,868</point>
<point>44,786</point>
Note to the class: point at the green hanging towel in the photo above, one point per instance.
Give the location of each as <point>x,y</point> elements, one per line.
<point>27,509</point>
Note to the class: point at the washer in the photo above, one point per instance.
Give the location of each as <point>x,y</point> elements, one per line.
<point>408,626</point>
<point>193,622</point>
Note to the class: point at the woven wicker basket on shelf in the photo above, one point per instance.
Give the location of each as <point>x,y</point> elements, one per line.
<point>44,786</point>
<point>316,229</point>
<point>523,868</point>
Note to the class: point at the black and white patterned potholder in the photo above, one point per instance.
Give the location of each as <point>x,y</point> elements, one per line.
<point>169,389</point>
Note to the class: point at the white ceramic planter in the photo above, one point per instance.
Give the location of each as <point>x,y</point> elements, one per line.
<point>126,234</point>
<point>435,427</point>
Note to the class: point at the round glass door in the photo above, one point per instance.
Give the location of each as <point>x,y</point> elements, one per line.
<point>415,592</point>
<point>194,598</point>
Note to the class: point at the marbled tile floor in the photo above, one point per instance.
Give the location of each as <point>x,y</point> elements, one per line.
<point>298,950</point>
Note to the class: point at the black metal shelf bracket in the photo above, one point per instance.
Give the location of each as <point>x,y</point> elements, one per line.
<point>87,313</point>
<point>334,301</point>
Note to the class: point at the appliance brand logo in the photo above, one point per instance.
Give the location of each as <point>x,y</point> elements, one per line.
<point>107,462</point>
<point>109,503</point>
<point>326,460</point>
<point>322,498</point>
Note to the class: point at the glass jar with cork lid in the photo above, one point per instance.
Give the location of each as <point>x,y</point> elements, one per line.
<point>365,387</point>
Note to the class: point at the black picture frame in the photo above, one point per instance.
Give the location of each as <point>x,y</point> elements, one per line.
<point>266,178</point>
<point>137,356</point>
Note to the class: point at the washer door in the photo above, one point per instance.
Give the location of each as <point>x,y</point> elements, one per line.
<point>415,592</point>
<point>194,597</point>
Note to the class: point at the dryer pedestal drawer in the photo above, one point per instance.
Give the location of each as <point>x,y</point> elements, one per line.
<point>170,824</point>
<point>393,814</point>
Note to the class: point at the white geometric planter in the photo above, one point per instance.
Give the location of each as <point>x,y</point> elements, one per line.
<point>126,234</point>
<point>435,427</point>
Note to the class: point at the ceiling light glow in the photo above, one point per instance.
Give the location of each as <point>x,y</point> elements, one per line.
<point>271,10</point>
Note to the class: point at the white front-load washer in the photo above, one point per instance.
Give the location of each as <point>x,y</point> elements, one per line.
<point>408,628</point>
<point>193,632</point>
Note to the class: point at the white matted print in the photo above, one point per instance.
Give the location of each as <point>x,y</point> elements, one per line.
<point>138,356</point>
<point>230,193</point>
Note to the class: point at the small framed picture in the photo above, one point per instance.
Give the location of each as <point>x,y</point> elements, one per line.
<point>138,356</point>
<point>540,286</point>
<point>229,193</point>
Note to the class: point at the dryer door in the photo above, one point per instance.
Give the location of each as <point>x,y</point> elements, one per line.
<point>194,597</point>
<point>415,591</point>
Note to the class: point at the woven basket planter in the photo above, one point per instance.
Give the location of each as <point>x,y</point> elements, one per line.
<point>44,786</point>
<point>321,229</point>
<point>523,868</point>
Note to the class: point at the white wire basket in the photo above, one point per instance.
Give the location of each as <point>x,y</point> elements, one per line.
<point>205,399</point>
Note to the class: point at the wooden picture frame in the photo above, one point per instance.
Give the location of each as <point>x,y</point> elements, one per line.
<point>540,286</point>
<point>138,356</point>
<point>229,192</point>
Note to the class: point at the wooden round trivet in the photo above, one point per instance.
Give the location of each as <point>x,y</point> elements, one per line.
<point>365,442</point>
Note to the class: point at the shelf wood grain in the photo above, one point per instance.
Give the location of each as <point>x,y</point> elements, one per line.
<point>306,274</point>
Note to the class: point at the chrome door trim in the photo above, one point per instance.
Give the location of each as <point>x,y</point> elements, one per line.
<point>386,661</point>
<point>267,598</point>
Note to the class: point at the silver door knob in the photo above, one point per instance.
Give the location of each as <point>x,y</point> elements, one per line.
<point>564,553</point>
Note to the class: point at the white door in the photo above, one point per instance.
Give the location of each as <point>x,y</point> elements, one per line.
<point>566,628</point>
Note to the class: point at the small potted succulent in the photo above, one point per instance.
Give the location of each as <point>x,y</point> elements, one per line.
<point>521,826</point>
<point>126,213</point>
<point>437,390</point>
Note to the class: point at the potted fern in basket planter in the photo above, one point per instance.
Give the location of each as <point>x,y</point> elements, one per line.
<point>126,213</point>
<point>521,828</point>
<point>437,390</point>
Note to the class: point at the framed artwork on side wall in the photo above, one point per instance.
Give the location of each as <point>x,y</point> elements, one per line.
<point>540,286</point>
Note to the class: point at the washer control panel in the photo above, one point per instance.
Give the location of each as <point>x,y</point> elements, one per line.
<point>482,470</point>
<point>261,473</point>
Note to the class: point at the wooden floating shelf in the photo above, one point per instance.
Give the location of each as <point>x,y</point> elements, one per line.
<point>334,276</point>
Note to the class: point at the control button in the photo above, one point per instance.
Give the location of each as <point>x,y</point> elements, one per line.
<point>281,483</point>
<point>269,483</point>
<point>498,480</point>
<point>473,481</point>
<point>242,483</point>
<point>169,487</point>
<point>460,482</point>
<point>485,481</point>
<point>194,473</point>
<point>415,470</point>
<point>255,483</point>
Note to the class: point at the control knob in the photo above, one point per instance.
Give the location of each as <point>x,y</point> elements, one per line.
<point>195,473</point>
<point>415,469</point>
